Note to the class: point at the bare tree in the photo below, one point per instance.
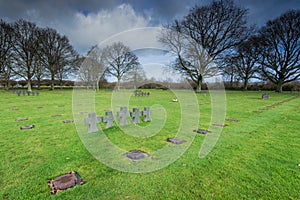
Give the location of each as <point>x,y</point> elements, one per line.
<point>204,36</point>
<point>118,60</point>
<point>280,43</point>
<point>5,52</point>
<point>229,72</point>
<point>57,54</point>
<point>68,69</point>
<point>136,75</point>
<point>25,47</point>
<point>246,61</point>
<point>92,68</point>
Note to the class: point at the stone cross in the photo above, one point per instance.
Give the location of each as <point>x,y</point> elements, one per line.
<point>146,113</point>
<point>265,96</point>
<point>123,114</point>
<point>108,119</point>
<point>136,114</point>
<point>92,121</point>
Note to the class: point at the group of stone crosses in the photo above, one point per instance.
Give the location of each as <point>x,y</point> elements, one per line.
<point>123,115</point>
<point>28,93</point>
<point>139,93</point>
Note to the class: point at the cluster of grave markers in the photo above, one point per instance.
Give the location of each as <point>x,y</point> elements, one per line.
<point>28,93</point>
<point>123,115</point>
<point>139,93</point>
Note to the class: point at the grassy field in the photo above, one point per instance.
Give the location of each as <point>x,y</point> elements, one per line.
<point>255,158</point>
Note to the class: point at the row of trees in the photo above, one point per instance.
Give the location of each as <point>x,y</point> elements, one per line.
<point>214,39</point>
<point>210,40</point>
<point>30,52</point>
<point>217,36</point>
<point>115,60</point>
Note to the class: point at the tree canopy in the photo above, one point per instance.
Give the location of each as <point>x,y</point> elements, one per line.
<point>204,36</point>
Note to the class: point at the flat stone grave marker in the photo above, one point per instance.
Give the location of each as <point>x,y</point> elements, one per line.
<point>68,121</point>
<point>233,120</point>
<point>27,127</point>
<point>22,119</point>
<point>176,140</point>
<point>265,96</point>
<point>146,114</point>
<point>64,182</point>
<point>135,114</point>
<point>108,119</point>
<point>92,121</point>
<point>202,131</point>
<point>123,114</point>
<point>220,125</point>
<point>57,115</point>
<point>136,155</point>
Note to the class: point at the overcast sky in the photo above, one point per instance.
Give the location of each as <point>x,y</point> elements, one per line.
<point>87,23</point>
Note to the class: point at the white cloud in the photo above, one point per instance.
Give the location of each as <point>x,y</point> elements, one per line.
<point>88,30</point>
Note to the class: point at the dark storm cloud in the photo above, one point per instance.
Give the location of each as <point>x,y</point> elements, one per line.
<point>50,10</point>
<point>262,11</point>
<point>259,11</point>
<point>161,11</point>
<point>86,22</point>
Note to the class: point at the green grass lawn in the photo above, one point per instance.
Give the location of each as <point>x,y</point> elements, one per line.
<point>255,158</point>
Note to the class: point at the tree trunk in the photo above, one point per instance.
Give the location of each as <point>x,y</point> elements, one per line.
<point>39,83</point>
<point>279,86</point>
<point>245,87</point>
<point>97,85</point>
<point>61,83</point>
<point>199,83</point>
<point>7,84</point>
<point>118,86</point>
<point>52,81</point>
<point>29,86</point>
<point>231,81</point>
